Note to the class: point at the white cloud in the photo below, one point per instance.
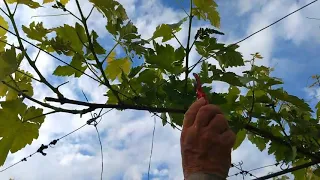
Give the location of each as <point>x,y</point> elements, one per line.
<point>126,135</point>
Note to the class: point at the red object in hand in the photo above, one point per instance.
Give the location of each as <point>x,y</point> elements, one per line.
<point>199,91</point>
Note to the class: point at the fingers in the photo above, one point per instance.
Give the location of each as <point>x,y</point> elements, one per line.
<point>228,138</point>
<point>206,114</point>
<point>191,114</point>
<point>218,124</point>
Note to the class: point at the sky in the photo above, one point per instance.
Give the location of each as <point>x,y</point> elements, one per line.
<point>290,46</point>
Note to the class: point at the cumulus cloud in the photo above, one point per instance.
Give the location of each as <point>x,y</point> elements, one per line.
<point>126,135</point>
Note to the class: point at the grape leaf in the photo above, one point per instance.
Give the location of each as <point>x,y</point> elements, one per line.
<point>15,129</point>
<point>116,67</point>
<point>207,9</point>
<point>77,62</point>
<point>36,31</point>
<point>166,58</point>
<point>9,63</point>
<point>47,1</point>
<point>230,58</point>
<point>134,71</point>
<point>113,10</point>
<point>284,96</point>
<point>167,31</point>
<point>3,38</point>
<point>64,2</point>
<point>164,118</point>
<point>241,135</point>
<point>71,35</point>
<point>317,172</point>
<point>29,3</point>
<point>4,24</point>
<point>258,141</point>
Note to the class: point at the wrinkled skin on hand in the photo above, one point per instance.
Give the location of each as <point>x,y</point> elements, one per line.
<point>206,140</point>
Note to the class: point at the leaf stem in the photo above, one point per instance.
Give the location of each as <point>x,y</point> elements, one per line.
<point>99,64</point>
<point>90,13</point>
<point>177,40</point>
<point>188,48</point>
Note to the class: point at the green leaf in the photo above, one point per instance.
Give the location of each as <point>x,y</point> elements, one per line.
<point>284,96</point>
<point>166,58</point>
<point>317,107</point>
<point>117,66</point>
<point>29,3</point>
<point>167,31</point>
<point>258,141</point>
<point>241,135</point>
<point>176,118</point>
<point>70,35</point>
<point>204,73</point>
<point>134,71</point>
<point>97,47</point>
<point>230,58</point>
<point>164,118</point>
<point>81,34</point>
<point>15,130</point>
<point>233,94</point>
<point>299,174</point>
<point>231,78</point>
<point>36,31</point>
<point>317,172</point>
<point>9,63</point>
<point>3,89</point>
<point>207,10</point>
<point>113,10</point>
<point>34,115</point>
<point>77,62</point>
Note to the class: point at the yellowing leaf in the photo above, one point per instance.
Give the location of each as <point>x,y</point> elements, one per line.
<point>64,2</point>
<point>207,9</point>
<point>116,67</point>
<point>29,3</point>
<point>47,1</point>
<point>4,24</point>
<point>3,38</point>
<point>111,57</point>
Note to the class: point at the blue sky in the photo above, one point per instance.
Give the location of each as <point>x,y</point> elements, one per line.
<point>291,45</point>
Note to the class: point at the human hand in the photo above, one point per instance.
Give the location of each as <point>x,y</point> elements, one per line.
<point>206,140</point>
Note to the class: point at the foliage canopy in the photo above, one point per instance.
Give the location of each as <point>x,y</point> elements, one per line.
<point>256,105</point>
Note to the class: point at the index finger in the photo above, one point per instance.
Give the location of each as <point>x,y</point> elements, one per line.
<point>190,115</point>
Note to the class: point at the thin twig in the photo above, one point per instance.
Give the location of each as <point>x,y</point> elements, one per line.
<point>188,48</point>
<point>28,75</point>
<point>32,64</point>
<point>91,47</point>
<point>55,57</point>
<point>90,13</point>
